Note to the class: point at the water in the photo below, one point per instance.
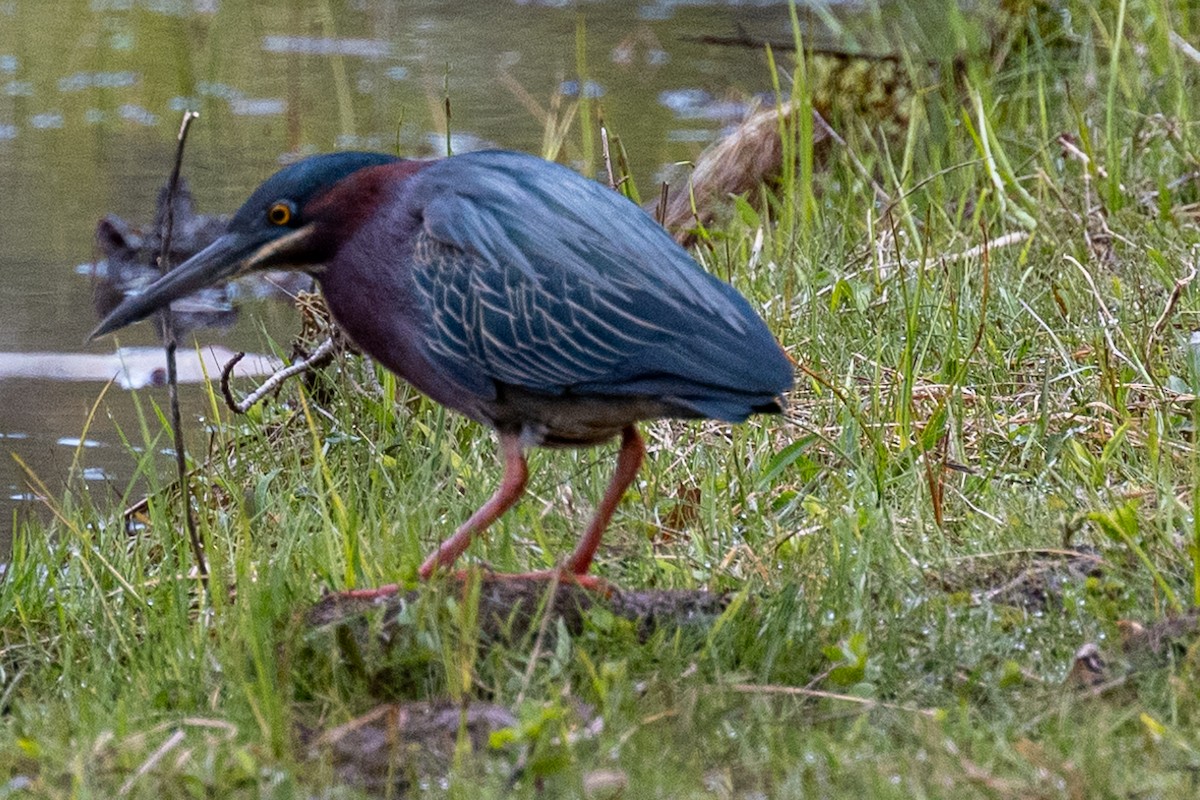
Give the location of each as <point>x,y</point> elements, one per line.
<point>90,98</point>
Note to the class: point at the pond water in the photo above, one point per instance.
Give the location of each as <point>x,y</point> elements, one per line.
<point>91,94</point>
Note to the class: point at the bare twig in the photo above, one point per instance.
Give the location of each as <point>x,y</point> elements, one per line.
<point>12,685</point>
<point>1172,301</point>
<point>822,124</point>
<point>315,359</point>
<point>226,390</point>
<point>743,39</point>
<point>1184,47</point>
<point>170,744</point>
<point>887,267</point>
<point>168,333</point>
<point>1073,151</point>
<point>660,213</point>
<point>935,470</point>
<point>539,640</point>
<point>1109,321</point>
<point>612,180</point>
<point>796,691</point>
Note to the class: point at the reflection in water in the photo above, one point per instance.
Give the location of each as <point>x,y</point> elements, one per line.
<point>130,255</point>
<point>131,367</point>
<point>258,107</point>
<point>129,264</point>
<point>327,46</point>
<point>97,80</point>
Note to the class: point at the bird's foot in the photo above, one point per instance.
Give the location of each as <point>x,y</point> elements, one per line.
<point>369,595</point>
<point>590,582</point>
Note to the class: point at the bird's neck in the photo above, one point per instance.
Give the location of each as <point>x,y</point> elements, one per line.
<point>340,212</point>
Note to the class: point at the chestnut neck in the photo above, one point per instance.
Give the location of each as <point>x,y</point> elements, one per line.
<point>353,201</point>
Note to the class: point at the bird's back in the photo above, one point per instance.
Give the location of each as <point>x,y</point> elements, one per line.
<point>539,279</point>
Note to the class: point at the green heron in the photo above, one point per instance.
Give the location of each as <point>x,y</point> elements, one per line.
<point>511,290</point>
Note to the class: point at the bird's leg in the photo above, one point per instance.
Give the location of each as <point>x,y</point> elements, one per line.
<point>629,459</point>
<point>512,486</point>
<point>574,570</point>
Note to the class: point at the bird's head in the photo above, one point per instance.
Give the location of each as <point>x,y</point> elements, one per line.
<point>272,230</point>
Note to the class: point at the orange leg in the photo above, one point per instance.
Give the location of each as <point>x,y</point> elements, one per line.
<point>512,486</point>
<point>629,460</point>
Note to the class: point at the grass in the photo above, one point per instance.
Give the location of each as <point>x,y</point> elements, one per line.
<point>997,386</point>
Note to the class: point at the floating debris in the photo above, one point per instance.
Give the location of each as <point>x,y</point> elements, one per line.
<point>737,164</point>
<point>591,89</point>
<point>625,54</point>
<point>178,103</point>
<point>136,114</point>
<point>460,142</point>
<point>131,367</point>
<point>258,106</point>
<point>75,441</point>
<point>129,264</point>
<point>693,135</point>
<point>221,90</point>
<point>699,104</point>
<point>51,120</point>
<point>81,81</point>
<point>327,46</point>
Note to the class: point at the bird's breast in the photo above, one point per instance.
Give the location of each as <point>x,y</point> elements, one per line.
<point>369,290</point>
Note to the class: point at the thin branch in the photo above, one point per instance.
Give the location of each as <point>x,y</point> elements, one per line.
<point>539,640</point>
<point>612,180</point>
<point>1109,321</point>
<point>743,39</point>
<point>796,691</point>
<point>660,213</point>
<point>1184,47</point>
<point>170,744</point>
<point>1172,301</point>
<point>317,358</point>
<point>887,267</point>
<point>863,173</point>
<point>168,333</point>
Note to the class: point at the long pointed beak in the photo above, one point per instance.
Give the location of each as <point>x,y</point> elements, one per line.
<point>224,258</point>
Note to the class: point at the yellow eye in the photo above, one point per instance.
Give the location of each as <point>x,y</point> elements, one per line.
<point>280,214</point>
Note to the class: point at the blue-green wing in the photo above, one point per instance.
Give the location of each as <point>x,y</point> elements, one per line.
<point>539,278</point>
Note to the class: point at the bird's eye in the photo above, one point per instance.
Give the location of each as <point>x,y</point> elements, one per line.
<point>280,213</point>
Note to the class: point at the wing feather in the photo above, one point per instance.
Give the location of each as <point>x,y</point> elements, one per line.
<point>537,277</point>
